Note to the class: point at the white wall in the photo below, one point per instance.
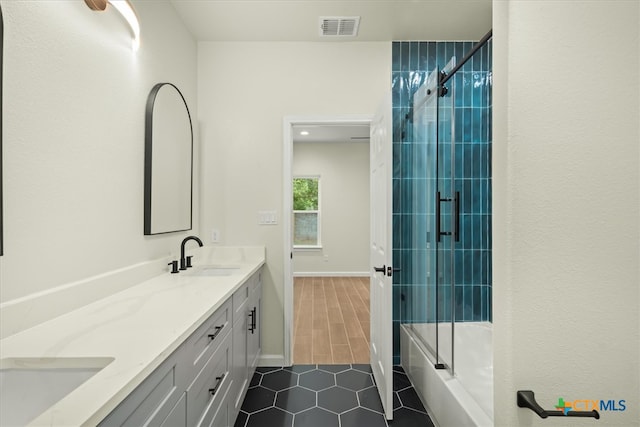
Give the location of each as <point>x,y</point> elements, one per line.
<point>244,91</point>
<point>566,206</point>
<point>74,111</point>
<point>344,202</point>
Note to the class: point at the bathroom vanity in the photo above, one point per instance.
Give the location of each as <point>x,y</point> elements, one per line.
<point>203,382</point>
<point>175,350</point>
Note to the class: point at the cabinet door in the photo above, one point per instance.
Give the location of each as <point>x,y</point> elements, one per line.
<point>178,415</point>
<point>239,373</point>
<point>222,419</point>
<point>254,343</point>
<point>152,401</point>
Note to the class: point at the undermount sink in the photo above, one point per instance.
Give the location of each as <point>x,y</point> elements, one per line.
<point>30,386</point>
<point>213,270</point>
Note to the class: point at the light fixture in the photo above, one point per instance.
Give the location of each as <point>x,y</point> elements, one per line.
<point>304,133</point>
<point>126,10</point>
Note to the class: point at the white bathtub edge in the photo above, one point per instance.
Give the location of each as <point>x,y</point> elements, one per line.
<point>446,401</point>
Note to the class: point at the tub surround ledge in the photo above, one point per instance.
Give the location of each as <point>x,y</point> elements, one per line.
<point>138,327</point>
<point>446,400</point>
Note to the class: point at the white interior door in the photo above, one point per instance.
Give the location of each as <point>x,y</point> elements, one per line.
<point>381,255</point>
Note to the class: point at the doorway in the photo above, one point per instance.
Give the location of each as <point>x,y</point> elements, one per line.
<point>330,288</point>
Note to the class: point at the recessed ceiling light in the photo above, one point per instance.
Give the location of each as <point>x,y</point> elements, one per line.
<point>304,133</point>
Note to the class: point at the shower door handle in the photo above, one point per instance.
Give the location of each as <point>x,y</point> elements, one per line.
<point>456,219</point>
<point>438,199</point>
<point>439,232</point>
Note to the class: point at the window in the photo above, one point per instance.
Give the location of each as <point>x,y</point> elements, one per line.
<point>306,212</point>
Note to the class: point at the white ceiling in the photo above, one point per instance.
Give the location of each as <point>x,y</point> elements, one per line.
<point>331,133</point>
<point>298,20</point>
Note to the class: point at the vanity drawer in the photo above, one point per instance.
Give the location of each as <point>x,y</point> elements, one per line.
<point>207,392</point>
<point>207,338</point>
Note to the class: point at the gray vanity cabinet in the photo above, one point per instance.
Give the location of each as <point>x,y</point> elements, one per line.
<point>246,338</point>
<point>203,382</point>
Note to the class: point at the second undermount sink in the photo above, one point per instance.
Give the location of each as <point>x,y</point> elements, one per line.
<point>30,386</point>
<point>214,270</point>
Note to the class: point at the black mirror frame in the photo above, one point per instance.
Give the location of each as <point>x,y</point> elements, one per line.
<point>148,157</point>
<point>1,66</point>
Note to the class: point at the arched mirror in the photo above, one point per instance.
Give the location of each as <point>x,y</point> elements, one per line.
<point>1,55</point>
<point>168,174</point>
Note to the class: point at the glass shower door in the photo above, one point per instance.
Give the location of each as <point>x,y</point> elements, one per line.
<point>434,220</point>
<point>424,298</point>
<point>447,224</point>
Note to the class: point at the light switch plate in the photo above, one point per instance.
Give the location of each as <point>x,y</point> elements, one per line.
<point>267,218</point>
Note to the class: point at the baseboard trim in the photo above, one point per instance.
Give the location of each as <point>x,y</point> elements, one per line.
<point>332,274</point>
<point>271,360</point>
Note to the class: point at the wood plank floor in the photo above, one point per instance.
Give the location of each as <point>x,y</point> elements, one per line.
<point>331,320</point>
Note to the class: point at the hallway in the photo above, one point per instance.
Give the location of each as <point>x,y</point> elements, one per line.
<point>331,320</point>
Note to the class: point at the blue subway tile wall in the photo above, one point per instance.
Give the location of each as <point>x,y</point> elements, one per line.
<point>464,153</point>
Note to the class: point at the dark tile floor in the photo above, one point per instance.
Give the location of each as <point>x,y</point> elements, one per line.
<point>327,396</point>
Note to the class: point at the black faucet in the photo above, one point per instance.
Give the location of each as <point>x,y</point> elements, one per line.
<point>186,262</point>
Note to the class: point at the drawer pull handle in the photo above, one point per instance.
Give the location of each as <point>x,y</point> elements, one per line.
<point>252,325</point>
<point>219,379</point>
<point>215,334</point>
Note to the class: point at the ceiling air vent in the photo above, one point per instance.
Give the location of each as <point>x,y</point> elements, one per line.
<point>339,26</point>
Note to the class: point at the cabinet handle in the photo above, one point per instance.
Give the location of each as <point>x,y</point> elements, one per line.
<point>219,379</point>
<point>252,325</point>
<point>215,334</point>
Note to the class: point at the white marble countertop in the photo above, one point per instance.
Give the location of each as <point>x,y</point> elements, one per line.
<point>137,328</point>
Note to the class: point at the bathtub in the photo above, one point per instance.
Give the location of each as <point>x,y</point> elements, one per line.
<point>466,398</point>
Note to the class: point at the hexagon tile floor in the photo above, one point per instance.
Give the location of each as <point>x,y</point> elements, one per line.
<point>327,396</point>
